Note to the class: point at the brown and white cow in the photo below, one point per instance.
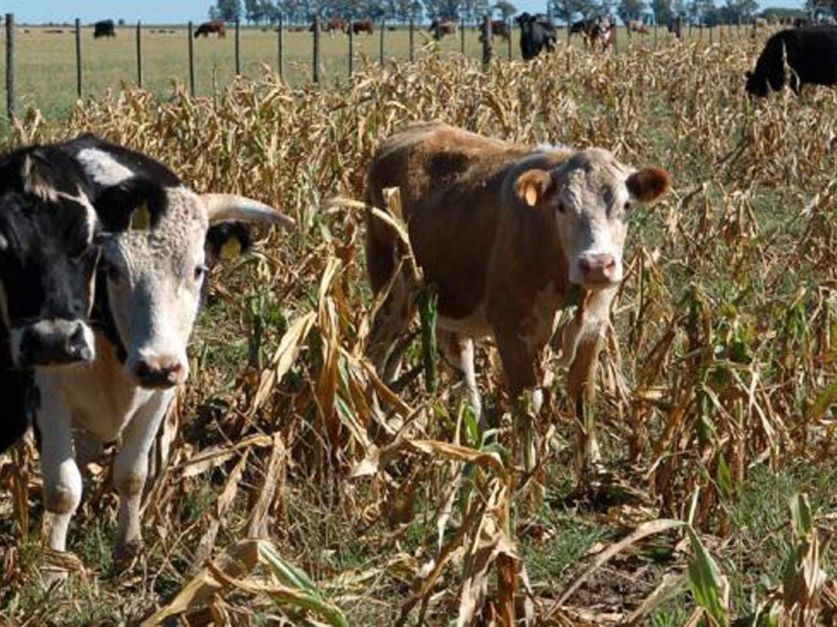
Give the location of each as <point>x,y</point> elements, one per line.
<point>507,235</point>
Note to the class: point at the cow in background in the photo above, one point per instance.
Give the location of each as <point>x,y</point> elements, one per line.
<point>508,235</point>
<point>809,53</point>
<point>440,28</point>
<point>215,26</point>
<point>363,26</point>
<point>536,33</point>
<point>103,28</point>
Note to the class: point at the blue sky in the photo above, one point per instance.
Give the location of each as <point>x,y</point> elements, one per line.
<point>174,11</point>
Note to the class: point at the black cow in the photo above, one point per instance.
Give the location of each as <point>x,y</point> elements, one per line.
<point>48,256</point>
<point>536,33</point>
<point>103,29</point>
<point>811,55</point>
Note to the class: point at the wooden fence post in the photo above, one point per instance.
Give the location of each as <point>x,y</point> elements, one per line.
<point>511,32</point>
<point>139,54</point>
<point>351,49</point>
<point>316,27</point>
<point>191,61</point>
<point>10,65</point>
<point>280,48</point>
<point>487,40</point>
<point>655,33</point>
<point>383,30</point>
<point>461,36</point>
<point>412,38</point>
<point>237,48</point>
<point>78,57</point>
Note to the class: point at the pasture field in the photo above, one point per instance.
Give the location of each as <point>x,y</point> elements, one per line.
<point>715,392</point>
<point>46,66</point>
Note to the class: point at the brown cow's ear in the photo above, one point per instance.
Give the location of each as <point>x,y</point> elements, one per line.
<point>649,184</point>
<point>534,186</point>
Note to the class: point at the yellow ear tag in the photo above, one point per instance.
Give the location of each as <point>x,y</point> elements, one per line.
<point>531,195</point>
<point>231,249</point>
<point>141,218</point>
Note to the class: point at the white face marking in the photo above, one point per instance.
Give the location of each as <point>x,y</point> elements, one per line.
<point>102,167</point>
<point>593,221</point>
<point>91,218</point>
<point>155,281</point>
<point>47,328</point>
<point>33,184</point>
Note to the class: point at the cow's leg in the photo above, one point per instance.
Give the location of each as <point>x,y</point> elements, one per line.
<point>458,351</point>
<point>589,329</point>
<point>62,479</point>
<point>520,364</point>
<point>131,470</point>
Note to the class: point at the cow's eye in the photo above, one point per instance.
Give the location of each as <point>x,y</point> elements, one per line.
<point>628,207</point>
<point>200,272</point>
<point>562,208</point>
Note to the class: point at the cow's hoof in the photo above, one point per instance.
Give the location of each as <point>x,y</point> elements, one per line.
<point>125,554</point>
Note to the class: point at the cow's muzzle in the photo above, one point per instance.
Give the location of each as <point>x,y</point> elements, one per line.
<point>158,372</point>
<point>598,269</point>
<point>53,343</point>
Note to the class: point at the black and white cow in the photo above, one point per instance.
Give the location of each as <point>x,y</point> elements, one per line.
<point>47,260</point>
<point>148,293</point>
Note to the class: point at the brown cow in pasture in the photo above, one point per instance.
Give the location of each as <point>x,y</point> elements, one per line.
<point>363,26</point>
<point>499,28</point>
<point>508,236</point>
<point>440,28</point>
<point>215,26</point>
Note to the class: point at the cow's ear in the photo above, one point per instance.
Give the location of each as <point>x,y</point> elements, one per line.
<point>136,203</point>
<point>648,184</point>
<point>226,241</point>
<point>534,187</point>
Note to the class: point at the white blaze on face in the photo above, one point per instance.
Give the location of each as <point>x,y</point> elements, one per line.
<point>593,210</point>
<point>154,284</point>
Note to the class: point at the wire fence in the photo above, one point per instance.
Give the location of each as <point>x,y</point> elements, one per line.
<point>329,56</point>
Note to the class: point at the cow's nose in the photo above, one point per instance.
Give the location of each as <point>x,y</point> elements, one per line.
<point>597,267</point>
<point>158,372</point>
<point>55,343</point>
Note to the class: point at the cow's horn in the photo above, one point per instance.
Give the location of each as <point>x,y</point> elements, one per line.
<point>229,207</point>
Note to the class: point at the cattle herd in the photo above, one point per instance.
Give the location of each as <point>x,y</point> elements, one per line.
<point>104,253</point>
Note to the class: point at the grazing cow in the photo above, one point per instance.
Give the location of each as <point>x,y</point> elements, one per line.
<point>331,26</point>
<point>811,55</point>
<point>440,28</point>
<point>48,253</point>
<point>507,235</point>
<point>215,26</point>
<point>675,26</point>
<point>103,29</point>
<point>363,26</point>
<point>536,33</point>
<point>594,30</point>
<point>147,298</point>
<point>498,27</point>
<point>636,26</point>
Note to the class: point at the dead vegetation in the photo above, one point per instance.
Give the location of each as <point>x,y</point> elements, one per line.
<point>721,369</point>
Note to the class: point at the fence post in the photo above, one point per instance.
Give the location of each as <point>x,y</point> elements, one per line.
<point>383,29</point>
<point>139,54</point>
<point>615,38</point>
<point>509,40</point>
<point>710,34</point>
<point>316,27</point>
<point>412,38</point>
<point>351,49</point>
<point>78,57</point>
<point>461,36</point>
<point>191,61</point>
<point>655,33</point>
<point>487,40</point>
<point>10,65</point>
<point>280,45</point>
<point>237,48</point>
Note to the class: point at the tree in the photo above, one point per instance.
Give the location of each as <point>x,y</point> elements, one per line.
<point>256,11</point>
<point>630,10</point>
<point>567,10</point>
<point>506,9</point>
<point>227,10</point>
<point>661,10</point>
<point>442,9</point>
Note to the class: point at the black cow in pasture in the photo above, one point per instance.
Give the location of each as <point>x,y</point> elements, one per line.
<point>811,55</point>
<point>536,33</point>
<point>103,28</point>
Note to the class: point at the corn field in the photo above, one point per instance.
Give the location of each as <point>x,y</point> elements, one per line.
<point>300,489</point>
